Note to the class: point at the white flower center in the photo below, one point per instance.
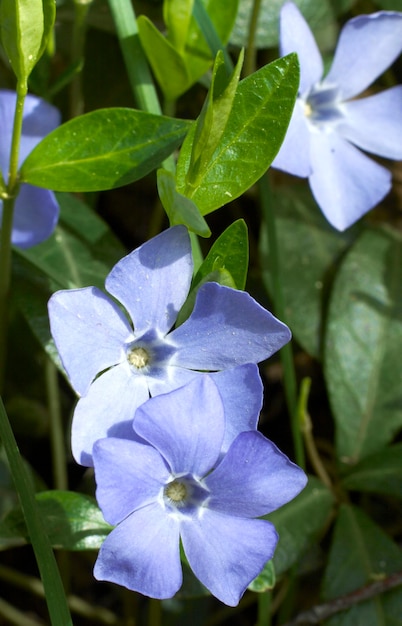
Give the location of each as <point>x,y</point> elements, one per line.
<point>138,357</point>
<point>176,492</point>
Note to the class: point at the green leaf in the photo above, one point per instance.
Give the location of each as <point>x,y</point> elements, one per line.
<point>363,346</point>
<point>213,118</point>
<point>230,253</point>
<point>179,209</point>
<point>103,149</point>
<point>177,17</point>
<point>300,522</point>
<point>264,581</point>
<point>308,244</point>
<point>378,473</point>
<point>167,63</point>
<point>178,64</point>
<point>257,124</point>
<point>73,521</point>
<point>361,553</point>
<point>25,28</point>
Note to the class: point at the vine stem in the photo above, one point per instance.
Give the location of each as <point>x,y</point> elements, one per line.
<point>250,55</point>
<point>7,224</point>
<point>321,612</point>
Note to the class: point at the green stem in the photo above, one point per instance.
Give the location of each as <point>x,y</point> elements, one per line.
<point>137,67</point>
<point>81,8</point>
<point>250,55</point>
<point>212,38</point>
<point>264,609</point>
<point>286,353</point>
<point>138,71</point>
<point>56,427</point>
<point>7,225</point>
<point>55,596</point>
<point>154,612</point>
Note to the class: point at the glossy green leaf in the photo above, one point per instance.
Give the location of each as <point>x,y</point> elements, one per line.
<point>319,15</point>
<point>300,522</point>
<point>229,252</point>
<point>360,553</point>
<point>212,121</point>
<point>307,244</point>
<point>257,124</point>
<point>73,521</point>
<point>179,209</point>
<point>363,346</point>
<point>168,64</point>
<point>378,473</point>
<point>25,28</point>
<point>264,581</point>
<point>103,149</point>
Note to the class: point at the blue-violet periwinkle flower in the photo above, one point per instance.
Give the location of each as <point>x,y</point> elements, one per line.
<point>174,486</point>
<point>36,210</point>
<point>115,363</point>
<point>329,126</point>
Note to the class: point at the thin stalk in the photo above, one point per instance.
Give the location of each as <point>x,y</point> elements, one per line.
<point>264,609</point>
<point>212,38</point>
<point>307,430</point>
<point>55,596</point>
<point>56,427</point>
<point>138,71</point>
<point>13,616</point>
<point>137,68</point>
<point>286,353</point>
<point>81,8</point>
<point>154,612</point>
<point>7,225</point>
<point>251,54</point>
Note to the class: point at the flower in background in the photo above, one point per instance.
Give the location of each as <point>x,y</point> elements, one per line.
<point>328,125</point>
<point>115,364</point>
<point>173,487</point>
<point>36,210</point>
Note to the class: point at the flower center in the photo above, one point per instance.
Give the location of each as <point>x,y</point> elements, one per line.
<point>185,495</point>
<point>138,357</point>
<point>322,105</point>
<point>176,492</point>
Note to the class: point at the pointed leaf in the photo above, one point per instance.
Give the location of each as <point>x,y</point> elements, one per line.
<point>166,61</point>
<point>179,209</point>
<point>310,245</point>
<point>253,135</point>
<point>378,473</point>
<point>213,118</point>
<point>264,581</point>
<point>73,521</point>
<point>363,346</point>
<point>360,553</point>
<point>22,31</point>
<point>103,149</point>
<point>230,253</point>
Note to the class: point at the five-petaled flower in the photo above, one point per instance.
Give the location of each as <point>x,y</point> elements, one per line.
<point>36,210</point>
<point>327,123</point>
<point>116,365</point>
<point>168,483</point>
